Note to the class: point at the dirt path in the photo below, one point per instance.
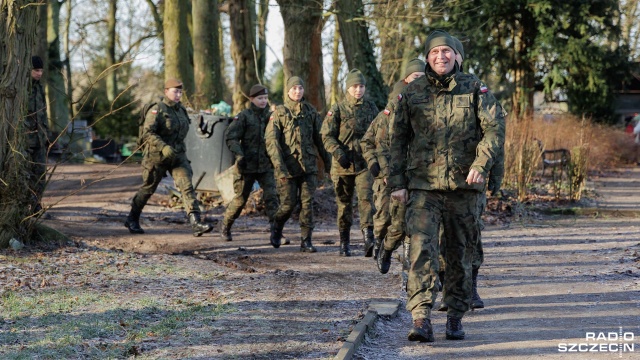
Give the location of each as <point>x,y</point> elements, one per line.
<point>544,282</point>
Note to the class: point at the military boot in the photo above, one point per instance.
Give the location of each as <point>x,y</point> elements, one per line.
<point>197,226</point>
<point>384,260</point>
<point>369,242</point>
<point>476,301</point>
<point>133,222</point>
<point>276,234</point>
<point>454,329</point>
<point>225,230</point>
<point>305,242</point>
<point>344,243</point>
<point>377,246</point>
<point>421,331</point>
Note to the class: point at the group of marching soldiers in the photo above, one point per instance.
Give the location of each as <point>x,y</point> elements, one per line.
<point>419,168</point>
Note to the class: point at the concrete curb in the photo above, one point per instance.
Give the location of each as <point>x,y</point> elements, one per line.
<point>357,335</point>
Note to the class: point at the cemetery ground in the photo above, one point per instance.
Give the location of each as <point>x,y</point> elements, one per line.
<point>548,282</point>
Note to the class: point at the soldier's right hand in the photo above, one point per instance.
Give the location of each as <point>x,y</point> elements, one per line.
<point>241,163</point>
<point>168,152</point>
<point>344,162</point>
<point>401,195</point>
<point>375,169</point>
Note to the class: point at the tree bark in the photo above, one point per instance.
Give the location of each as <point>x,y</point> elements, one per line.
<point>17,39</point>
<point>177,42</point>
<point>242,44</point>
<point>303,47</point>
<point>56,87</point>
<point>41,47</point>
<point>263,13</point>
<point>336,64</point>
<point>206,54</point>
<point>358,48</point>
<point>112,84</point>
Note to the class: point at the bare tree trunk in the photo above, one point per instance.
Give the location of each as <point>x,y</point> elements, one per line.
<point>390,21</point>
<point>206,54</point>
<point>524,72</point>
<point>56,87</point>
<point>242,43</point>
<point>303,47</point>
<point>18,34</point>
<point>177,42</point>
<point>336,64</point>
<point>157,19</point>
<point>112,85</point>
<point>358,48</point>
<point>67,55</point>
<point>41,47</point>
<point>263,13</point>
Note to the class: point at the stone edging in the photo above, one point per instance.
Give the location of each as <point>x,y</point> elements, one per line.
<point>356,337</point>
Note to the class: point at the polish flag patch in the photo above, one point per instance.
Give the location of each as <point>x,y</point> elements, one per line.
<point>399,97</point>
<point>330,113</point>
<point>270,117</point>
<point>235,118</point>
<point>387,112</point>
<point>483,89</point>
<point>154,111</point>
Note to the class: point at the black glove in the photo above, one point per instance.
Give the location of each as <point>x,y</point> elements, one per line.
<point>241,163</point>
<point>344,162</point>
<point>375,169</point>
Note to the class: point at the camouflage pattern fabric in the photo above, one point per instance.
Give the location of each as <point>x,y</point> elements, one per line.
<point>36,126</point>
<point>242,185</point>
<point>397,230</point>
<point>245,138</point>
<point>293,190</point>
<point>345,186</point>
<point>166,124</point>
<point>382,217</point>
<point>443,127</point>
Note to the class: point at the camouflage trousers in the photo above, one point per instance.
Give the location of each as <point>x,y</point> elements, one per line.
<point>478,254</point>
<point>345,186</point>
<point>152,173</point>
<point>37,168</point>
<point>242,185</point>
<point>457,212</point>
<point>397,230</point>
<point>293,190</point>
<point>381,219</point>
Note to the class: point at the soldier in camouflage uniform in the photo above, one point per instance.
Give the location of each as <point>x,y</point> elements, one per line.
<point>496,173</point>
<point>245,139</point>
<point>165,126</point>
<point>293,142</point>
<point>445,136</point>
<point>389,212</point>
<point>37,129</point>
<point>342,130</point>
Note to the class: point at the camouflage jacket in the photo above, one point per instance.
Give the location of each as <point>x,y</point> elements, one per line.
<point>293,139</point>
<point>164,124</point>
<point>343,128</point>
<point>441,130</point>
<point>36,123</point>
<point>375,142</point>
<point>245,137</point>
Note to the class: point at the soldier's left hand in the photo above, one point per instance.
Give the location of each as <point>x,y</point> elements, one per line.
<point>474,177</point>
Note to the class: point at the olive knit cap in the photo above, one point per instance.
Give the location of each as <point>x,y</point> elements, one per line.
<point>439,38</point>
<point>293,81</point>
<point>459,48</point>
<point>257,90</point>
<point>415,65</point>
<point>355,77</point>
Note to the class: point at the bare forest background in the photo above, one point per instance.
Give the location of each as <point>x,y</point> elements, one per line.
<point>106,59</point>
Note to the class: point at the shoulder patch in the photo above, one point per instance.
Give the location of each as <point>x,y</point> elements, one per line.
<point>387,112</point>
<point>235,118</point>
<point>330,113</point>
<point>484,89</point>
<point>399,97</point>
<point>154,111</point>
<point>270,117</point>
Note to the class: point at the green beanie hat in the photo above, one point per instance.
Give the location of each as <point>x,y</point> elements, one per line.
<point>415,65</point>
<point>355,77</point>
<point>439,38</point>
<point>293,81</point>
<point>459,48</point>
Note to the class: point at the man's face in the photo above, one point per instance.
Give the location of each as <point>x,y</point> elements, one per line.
<point>173,94</point>
<point>441,59</point>
<point>36,74</point>
<point>357,90</point>
<point>260,101</point>
<point>296,92</point>
<point>413,76</point>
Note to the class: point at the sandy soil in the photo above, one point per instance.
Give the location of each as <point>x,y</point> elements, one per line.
<point>546,280</point>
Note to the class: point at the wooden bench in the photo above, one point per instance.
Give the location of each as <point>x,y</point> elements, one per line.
<point>553,158</point>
